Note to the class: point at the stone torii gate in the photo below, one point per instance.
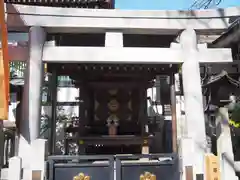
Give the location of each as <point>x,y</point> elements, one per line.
<point>194,145</point>
<point>187,52</point>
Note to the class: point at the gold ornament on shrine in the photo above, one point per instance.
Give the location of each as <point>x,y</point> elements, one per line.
<point>148,176</point>
<point>81,176</point>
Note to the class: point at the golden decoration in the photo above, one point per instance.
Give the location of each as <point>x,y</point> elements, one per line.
<point>148,176</point>
<point>81,176</point>
<point>113,91</point>
<point>81,142</point>
<point>113,105</point>
<point>145,141</point>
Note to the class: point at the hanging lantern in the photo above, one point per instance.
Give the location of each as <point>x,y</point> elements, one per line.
<point>220,88</point>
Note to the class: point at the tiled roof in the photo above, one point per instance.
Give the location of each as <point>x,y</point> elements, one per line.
<point>223,40</point>
<point>96,4</point>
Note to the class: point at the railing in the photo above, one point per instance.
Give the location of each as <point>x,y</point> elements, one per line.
<point>110,167</point>
<point>160,166</point>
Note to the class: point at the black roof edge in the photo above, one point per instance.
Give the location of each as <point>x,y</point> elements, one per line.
<point>224,40</point>
<point>91,4</point>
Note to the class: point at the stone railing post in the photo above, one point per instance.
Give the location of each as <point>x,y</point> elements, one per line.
<point>224,145</point>
<point>39,149</point>
<point>15,168</point>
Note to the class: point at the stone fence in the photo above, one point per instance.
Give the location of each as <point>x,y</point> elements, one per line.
<point>30,167</point>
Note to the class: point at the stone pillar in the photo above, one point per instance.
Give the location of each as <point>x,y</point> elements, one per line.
<point>39,147</point>
<point>224,145</point>
<point>194,113</point>
<point>15,168</point>
<point>31,103</point>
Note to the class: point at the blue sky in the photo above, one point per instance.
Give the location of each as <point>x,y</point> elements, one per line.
<point>165,4</point>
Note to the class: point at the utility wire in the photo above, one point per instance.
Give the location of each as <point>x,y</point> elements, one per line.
<point>204,4</point>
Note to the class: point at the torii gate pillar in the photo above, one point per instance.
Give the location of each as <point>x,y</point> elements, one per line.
<point>194,113</point>
<point>29,144</point>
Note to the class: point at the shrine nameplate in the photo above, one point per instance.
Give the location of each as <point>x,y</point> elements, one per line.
<point>212,167</point>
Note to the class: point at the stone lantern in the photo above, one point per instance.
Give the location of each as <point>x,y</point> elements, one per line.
<point>222,90</point>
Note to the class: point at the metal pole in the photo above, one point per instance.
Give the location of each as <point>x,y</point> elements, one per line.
<point>52,123</point>
<point>173,109</point>
<point>1,145</point>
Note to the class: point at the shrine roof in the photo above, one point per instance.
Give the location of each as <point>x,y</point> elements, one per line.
<point>95,4</point>
<point>223,76</point>
<point>230,36</point>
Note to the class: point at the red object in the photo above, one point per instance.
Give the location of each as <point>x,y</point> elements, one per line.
<point>5,61</point>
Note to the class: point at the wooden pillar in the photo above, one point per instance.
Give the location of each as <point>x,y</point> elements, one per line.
<point>143,119</point>
<point>4,78</point>
<point>53,120</point>
<point>4,64</point>
<point>83,103</point>
<point>82,109</point>
<point>173,112</point>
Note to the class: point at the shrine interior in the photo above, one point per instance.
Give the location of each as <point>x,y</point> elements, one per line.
<point>117,112</point>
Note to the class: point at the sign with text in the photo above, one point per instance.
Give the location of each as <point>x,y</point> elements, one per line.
<point>212,167</point>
